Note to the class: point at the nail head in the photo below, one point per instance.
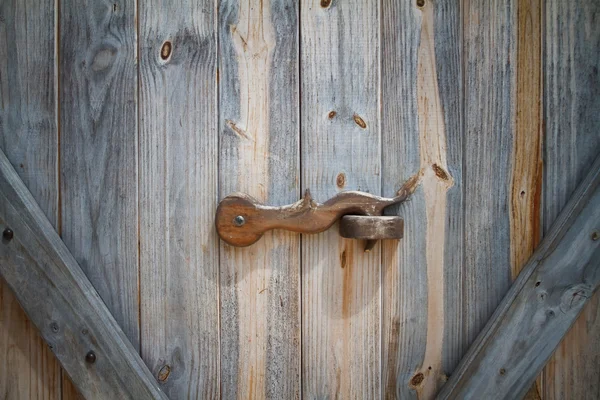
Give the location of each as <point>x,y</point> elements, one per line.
<point>8,234</point>
<point>90,357</point>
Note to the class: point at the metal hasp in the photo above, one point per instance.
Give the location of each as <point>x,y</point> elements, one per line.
<point>241,220</point>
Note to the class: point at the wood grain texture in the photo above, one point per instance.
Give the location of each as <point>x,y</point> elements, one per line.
<point>341,150</point>
<point>29,136</point>
<point>526,173</point>
<point>259,137</point>
<point>490,34</point>
<point>421,125</point>
<point>98,149</point>
<point>572,121</point>
<point>62,303</point>
<point>540,307</point>
<point>178,194</point>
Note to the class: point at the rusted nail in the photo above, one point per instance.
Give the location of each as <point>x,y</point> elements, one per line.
<point>325,3</point>
<point>331,114</point>
<point>239,221</point>
<point>8,234</point>
<point>420,3</point>
<point>90,357</point>
<point>502,371</point>
<point>595,235</point>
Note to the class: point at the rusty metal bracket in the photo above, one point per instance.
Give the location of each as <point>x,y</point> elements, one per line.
<point>241,220</point>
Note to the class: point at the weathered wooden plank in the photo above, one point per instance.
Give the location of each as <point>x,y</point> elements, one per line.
<point>490,34</point>
<point>540,307</point>
<point>98,150</point>
<point>526,172</point>
<point>422,135</point>
<point>178,194</point>
<point>259,129</point>
<point>341,149</point>
<point>29,136</point>
<point>572,120</point>
<point>62,302</point>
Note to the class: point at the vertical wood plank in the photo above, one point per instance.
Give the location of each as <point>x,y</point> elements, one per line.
<point>29,137</point>
<point>178,190</point>
<point>258,125</point>
<point>490,34</point>
<point>422,134</point>
<point>572,122</point>
<point>341,150</point>
<point>526,172</point>
<point>98,151</point>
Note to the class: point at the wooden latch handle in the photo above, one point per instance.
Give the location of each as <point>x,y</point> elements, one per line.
<point>241,220</point>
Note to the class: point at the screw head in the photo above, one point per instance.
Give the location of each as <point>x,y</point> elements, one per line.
<point>90,357</point>
<point>8,234</point>
<point>239,221</point>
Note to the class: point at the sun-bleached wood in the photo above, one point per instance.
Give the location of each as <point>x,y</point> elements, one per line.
<point>422,131</point>
<point>540,307</point>
<point>259,155</point>
<point>98,150</point>
<point>341,150</point>
<point>62,303</point>
<point>490,34</point>
<point>29,137</point>
<point>571,140</point>
<point>97,72</point>
<point>178,196</point>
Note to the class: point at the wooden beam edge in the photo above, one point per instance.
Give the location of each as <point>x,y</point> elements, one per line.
<point>62,303</point>
<point>462,378</point>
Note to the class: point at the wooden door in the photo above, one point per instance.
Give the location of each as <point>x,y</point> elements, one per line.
<point>129,121</point>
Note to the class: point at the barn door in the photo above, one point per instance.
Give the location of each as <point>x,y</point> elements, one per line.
<point>129,122</point>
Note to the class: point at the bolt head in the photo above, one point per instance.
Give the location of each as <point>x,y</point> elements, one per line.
<point>239,221</point>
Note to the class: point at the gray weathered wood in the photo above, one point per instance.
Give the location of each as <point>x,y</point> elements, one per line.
<point>489,42</point>
<point>540,307</point>
<point>572,140</point>
<point>29,136</point>
<point>341,150</point>
<point>178,194</point>
<point>98,150</point>
<point>62,303</point>
<point>422,135</point>
<point>259,155</point>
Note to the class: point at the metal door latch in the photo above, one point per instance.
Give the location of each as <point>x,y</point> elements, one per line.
<point>241,220</point>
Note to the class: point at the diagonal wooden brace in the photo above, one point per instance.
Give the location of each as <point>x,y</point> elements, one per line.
<point>62,303</point>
